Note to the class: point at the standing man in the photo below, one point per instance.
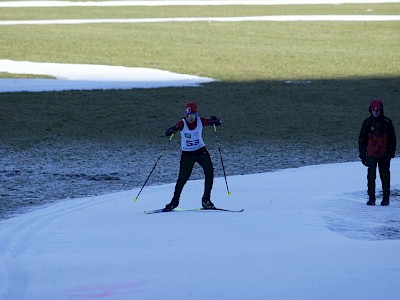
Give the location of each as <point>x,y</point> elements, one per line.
<point>193,150</point>
<point>377,146</point>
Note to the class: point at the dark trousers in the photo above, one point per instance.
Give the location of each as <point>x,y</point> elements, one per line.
<point>188,159</point>
<point>384,173</point>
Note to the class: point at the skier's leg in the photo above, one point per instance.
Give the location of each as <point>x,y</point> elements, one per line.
<point>185,170</point>
<point>206,163</point>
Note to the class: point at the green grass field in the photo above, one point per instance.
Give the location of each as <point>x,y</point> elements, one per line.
<point>49,13</point>
<point>349,63</point>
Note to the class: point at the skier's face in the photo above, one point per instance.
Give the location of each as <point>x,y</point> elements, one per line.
<point>191,117</point>
<point>376,113</point>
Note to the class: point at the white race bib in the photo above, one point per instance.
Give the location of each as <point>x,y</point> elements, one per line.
<point>192,139</point>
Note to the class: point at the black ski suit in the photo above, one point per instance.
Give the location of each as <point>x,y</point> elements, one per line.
<point>377,146</point>
<point>189,158</point>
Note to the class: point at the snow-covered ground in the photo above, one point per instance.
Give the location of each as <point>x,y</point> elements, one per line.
<point>305,233</point>
<point>88,77</point>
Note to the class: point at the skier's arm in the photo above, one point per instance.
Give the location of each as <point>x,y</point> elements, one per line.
<point>212,121</point>
<point>172,130</point>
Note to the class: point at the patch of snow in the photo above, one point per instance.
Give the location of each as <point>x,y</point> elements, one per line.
<point>89,77</point>
<point>289,18</point>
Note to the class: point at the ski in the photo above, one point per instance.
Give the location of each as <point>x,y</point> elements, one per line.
<point>155,211</point>
<point>161,210</point>
<point>211,209</point>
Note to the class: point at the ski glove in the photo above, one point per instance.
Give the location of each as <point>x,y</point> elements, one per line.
<point>172,130</point>
<point>215,121</point>
<point>364,160</point>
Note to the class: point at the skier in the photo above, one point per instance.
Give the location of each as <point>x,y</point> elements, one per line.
<point>377,146</point>
<point>193,150</point>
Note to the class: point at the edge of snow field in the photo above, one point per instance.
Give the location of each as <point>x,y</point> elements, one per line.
<point>289,18</point>
<point>89,77</point>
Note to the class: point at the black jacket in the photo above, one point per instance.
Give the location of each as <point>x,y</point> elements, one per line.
<point>377,137</point>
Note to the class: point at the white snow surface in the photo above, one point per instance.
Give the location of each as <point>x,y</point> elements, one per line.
<point>305,233</point>
<point>90,77</point>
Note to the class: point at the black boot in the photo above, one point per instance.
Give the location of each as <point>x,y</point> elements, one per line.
<point>206,203</point>
<point>386,195</point>
<point>174,203</point>
<point>385,202</point>
<point>371,201</point>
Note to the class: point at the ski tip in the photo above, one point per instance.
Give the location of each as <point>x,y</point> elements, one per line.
<point>134,199</point>
<point>229,193</point>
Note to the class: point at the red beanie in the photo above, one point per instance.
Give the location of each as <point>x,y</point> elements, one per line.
<point>376,105</point>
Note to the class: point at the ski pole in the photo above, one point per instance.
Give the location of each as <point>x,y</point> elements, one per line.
<point>162,152</point>
<point>222,162</point>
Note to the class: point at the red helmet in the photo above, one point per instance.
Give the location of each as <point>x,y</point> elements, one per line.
<point>191,107</point>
